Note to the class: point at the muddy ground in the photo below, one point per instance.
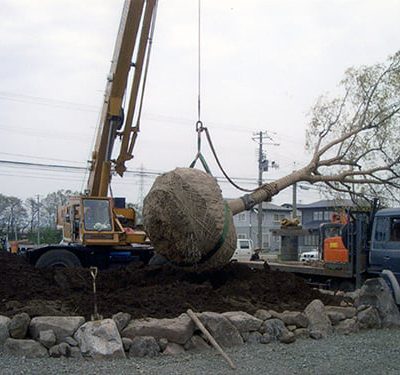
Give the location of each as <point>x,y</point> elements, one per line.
<point>145,291</point>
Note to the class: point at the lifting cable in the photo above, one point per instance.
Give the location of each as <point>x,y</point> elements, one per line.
<point>199,124</point>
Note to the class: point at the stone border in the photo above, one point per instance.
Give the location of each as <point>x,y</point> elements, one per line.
<point>372,306</point>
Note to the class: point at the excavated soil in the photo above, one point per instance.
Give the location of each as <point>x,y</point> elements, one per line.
<point>145,291</point>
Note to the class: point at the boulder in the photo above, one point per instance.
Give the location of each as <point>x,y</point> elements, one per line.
<point>376,293</point>
<point>75,352</point>
<point>65,349</point>
<point>178,330</point>
<point>301,333</point>
<point>62,326</point>
<point>196,343</point>
<point>287,337</point>
<point>369,318</point>
<point>162,343</point>
<point>25,348</point>
<point>47,338</point>
<point>275,328</point>
<point>4,333</point>
<point>262,314</point>
<point>100,339</point>
<point>54,351</point>
<point>266,338</point>
<point>126,343</point>
<point>347,326</point>
<point>223,331</point>
<point>144,346</point>
<point>320,325</point>
<point>121,320</point>
<point>173,349</point>
<point>70,341</point>
<point>254,338</point>
<point>243,321</point>
<point>335,317</point>
<point>294,318</point>
<point>348,311</point>
<point>18,326</point>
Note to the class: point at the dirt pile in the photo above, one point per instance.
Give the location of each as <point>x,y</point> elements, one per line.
<point>147,291</point>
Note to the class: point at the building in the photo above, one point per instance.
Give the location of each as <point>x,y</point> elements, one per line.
<point>246,224</point>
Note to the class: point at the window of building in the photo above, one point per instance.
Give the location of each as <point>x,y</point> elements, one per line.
<point>278,218</point>
<point>318,215</point>
<point>327,215</point>
<point>311,240</point>
<point>241,236</point>
<point>242,217</point>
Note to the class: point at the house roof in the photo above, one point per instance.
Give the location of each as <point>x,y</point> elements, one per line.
<point>328,203</point>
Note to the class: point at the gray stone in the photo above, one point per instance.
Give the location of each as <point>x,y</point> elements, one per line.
<point>26,348</point>
<point>369,318</point>
<point>361,308</point>
<point>65,349</point>
<point>274,327</point>
<point>348,312</point>
<point>70,341</point>
<point>301,333</point>
<point>18,326</point>
<point>320,325</point>
<point>173,349</point>
<point>291,328</point>
<point>144,346</point>
<point>335,317</point>
<point>243,321</point>
<point>223,331</point>
<point>178,330</point>
<point>274,314</point>
<point>54,351</point>
<point>262,314</point>
<point>126,343</point>
<point>254,338</point>
<point>75,352</point>
<point>121,320</point>
<point>294,318</point>
<point>352,295</point>
<point>197,344</point>
<point>375,292</point>
<point>266,338</point>
<point>287,337</point>
<point>100,339</point>
<point>47,338</point>
<point>347,326</point>
<point>4,333</point>
<point>62,326</point>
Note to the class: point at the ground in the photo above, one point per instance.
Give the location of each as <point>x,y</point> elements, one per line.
<point>145,291</point>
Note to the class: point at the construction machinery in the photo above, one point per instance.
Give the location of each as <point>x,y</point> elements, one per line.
<point>98,229</point>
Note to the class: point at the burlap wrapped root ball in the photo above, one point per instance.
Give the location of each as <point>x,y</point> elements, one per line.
<point>188,221</point>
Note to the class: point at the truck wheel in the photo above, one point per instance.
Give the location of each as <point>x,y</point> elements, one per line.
<point>58,258</point>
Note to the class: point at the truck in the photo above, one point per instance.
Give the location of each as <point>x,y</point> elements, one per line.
<point>98,229</point>
<point>244,250</point>
<point>367,246</point>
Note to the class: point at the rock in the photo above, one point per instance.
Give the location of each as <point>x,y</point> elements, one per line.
<point>335,317</point>
<point>245,336</point>
<point>287,337</point>
<point>339,293</point>
<point>47,338</point>
<point>18,326</point>
<point>352,295</point>
<point>345,304</point>
<point>65,349</point>
<point>348,312</point>
<point>121,320</point>
<point>326,292</point>
<point>262,314</point>
<point>320,325</point>
<point>70,341</point>
<point>75,352</point>
<point>291,328</point>
<point>243,321</point>
<point>347,326</point>
<point>301,333</point>
<point>4,333</point>
<point>54,351</point>
<point>173,349</point>
<point>100,339</point>
<point>254,338</point>
<point>26,348</point>
<point>361,308</point>
<point>126,343</point>
<point>144,346</point>
<point>178,330</point>
<point>275,328</point>
<point>369,318</point>
<point>375,292</point>
<point>266,338</point>
<point>196,343</point>
<point>223,331</point>
<point>274,314</point>
<point>62,326</point>
<point>294,318</point>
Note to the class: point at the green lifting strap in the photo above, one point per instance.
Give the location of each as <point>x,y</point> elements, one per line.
<point>203,162</point>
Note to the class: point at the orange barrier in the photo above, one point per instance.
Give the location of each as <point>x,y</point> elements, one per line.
<point>335,251</point>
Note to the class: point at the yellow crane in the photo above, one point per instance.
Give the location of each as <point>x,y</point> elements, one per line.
<point>98,229</point>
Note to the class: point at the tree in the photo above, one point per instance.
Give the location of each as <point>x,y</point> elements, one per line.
<point>353,139</point>
<point>13,216</point>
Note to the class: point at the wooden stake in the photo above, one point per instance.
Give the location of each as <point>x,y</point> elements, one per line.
<point>203,329</point>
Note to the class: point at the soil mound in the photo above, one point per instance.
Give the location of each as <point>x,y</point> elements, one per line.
<point>145,291</point>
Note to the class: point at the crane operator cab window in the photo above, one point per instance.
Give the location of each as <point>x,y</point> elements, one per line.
<point>97,215</point>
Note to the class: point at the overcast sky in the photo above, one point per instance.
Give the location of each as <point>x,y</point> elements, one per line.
<point>264,64</point>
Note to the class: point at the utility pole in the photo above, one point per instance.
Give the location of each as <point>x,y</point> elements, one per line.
<point>263,166</point>
<point>38,219</point>
<point>294,198</point>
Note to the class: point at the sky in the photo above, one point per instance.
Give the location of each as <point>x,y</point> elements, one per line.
<point>264,64</point>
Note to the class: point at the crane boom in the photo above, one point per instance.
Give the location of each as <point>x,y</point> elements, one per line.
<point>134,39</point>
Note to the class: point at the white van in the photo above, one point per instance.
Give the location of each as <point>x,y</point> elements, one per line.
<point>244,250</point>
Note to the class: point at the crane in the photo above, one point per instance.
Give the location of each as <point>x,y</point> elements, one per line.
<point>97,228</point>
